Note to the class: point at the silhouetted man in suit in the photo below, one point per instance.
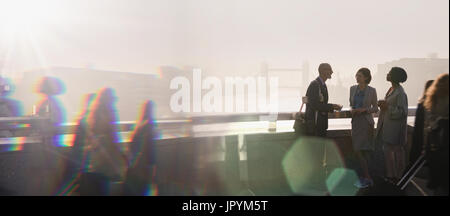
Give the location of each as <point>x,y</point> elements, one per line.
<point>317,107</point>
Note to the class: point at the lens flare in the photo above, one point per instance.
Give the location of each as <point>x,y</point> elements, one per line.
<point>340,182</point>
<point>16,143</point>
<point>307,164</point>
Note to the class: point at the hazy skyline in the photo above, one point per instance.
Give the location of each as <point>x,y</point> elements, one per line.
<point>222,37</point>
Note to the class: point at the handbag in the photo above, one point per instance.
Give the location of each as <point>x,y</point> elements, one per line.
<point>300,122</point>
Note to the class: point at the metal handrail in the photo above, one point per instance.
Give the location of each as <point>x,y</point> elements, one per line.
<point>194,120</point>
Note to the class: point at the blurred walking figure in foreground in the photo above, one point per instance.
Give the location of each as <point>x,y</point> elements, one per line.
<point>50,108</point>
<point>106,162</point>
<point>142,165</point>
<point>392,126</point>
<point>49,105</point>
<point>437,151</point>
<point>418,137</point>
<point>363,101</point>
<point>75,162</point>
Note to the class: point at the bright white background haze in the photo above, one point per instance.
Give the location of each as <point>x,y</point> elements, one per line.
<point>223,37</point>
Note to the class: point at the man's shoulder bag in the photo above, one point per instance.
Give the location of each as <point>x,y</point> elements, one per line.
<point>302,125</point>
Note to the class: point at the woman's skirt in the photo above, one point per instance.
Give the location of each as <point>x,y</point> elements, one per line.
<point>362,134</point>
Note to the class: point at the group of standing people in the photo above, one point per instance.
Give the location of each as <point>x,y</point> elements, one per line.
<point>381,151</point>
<point>388,143</point>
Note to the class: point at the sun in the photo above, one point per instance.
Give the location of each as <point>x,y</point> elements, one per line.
<point>23,25</point>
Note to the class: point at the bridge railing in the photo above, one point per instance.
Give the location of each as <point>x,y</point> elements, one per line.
<point>226,163</point>
<point>24,129</point>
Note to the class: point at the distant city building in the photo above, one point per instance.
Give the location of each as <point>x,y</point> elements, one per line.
<point>419,71</point>
<point>293,83</point>
<point>131,89</point>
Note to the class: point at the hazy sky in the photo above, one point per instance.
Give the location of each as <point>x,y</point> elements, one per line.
<point>221,36</point>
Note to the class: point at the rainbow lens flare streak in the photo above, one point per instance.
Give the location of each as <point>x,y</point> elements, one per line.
<point>16,143</point>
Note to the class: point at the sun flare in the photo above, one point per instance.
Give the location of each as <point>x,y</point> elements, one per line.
<point>23,23</point>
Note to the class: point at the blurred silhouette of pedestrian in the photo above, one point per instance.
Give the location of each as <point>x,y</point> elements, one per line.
<point>46,155</point>
<point>437,151</point>
<point>142,170</point>
<point>74,165</point>
<point>49,105</point>
<point>418,137</point>
<point>106,162</point>
<point>8,107</point>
